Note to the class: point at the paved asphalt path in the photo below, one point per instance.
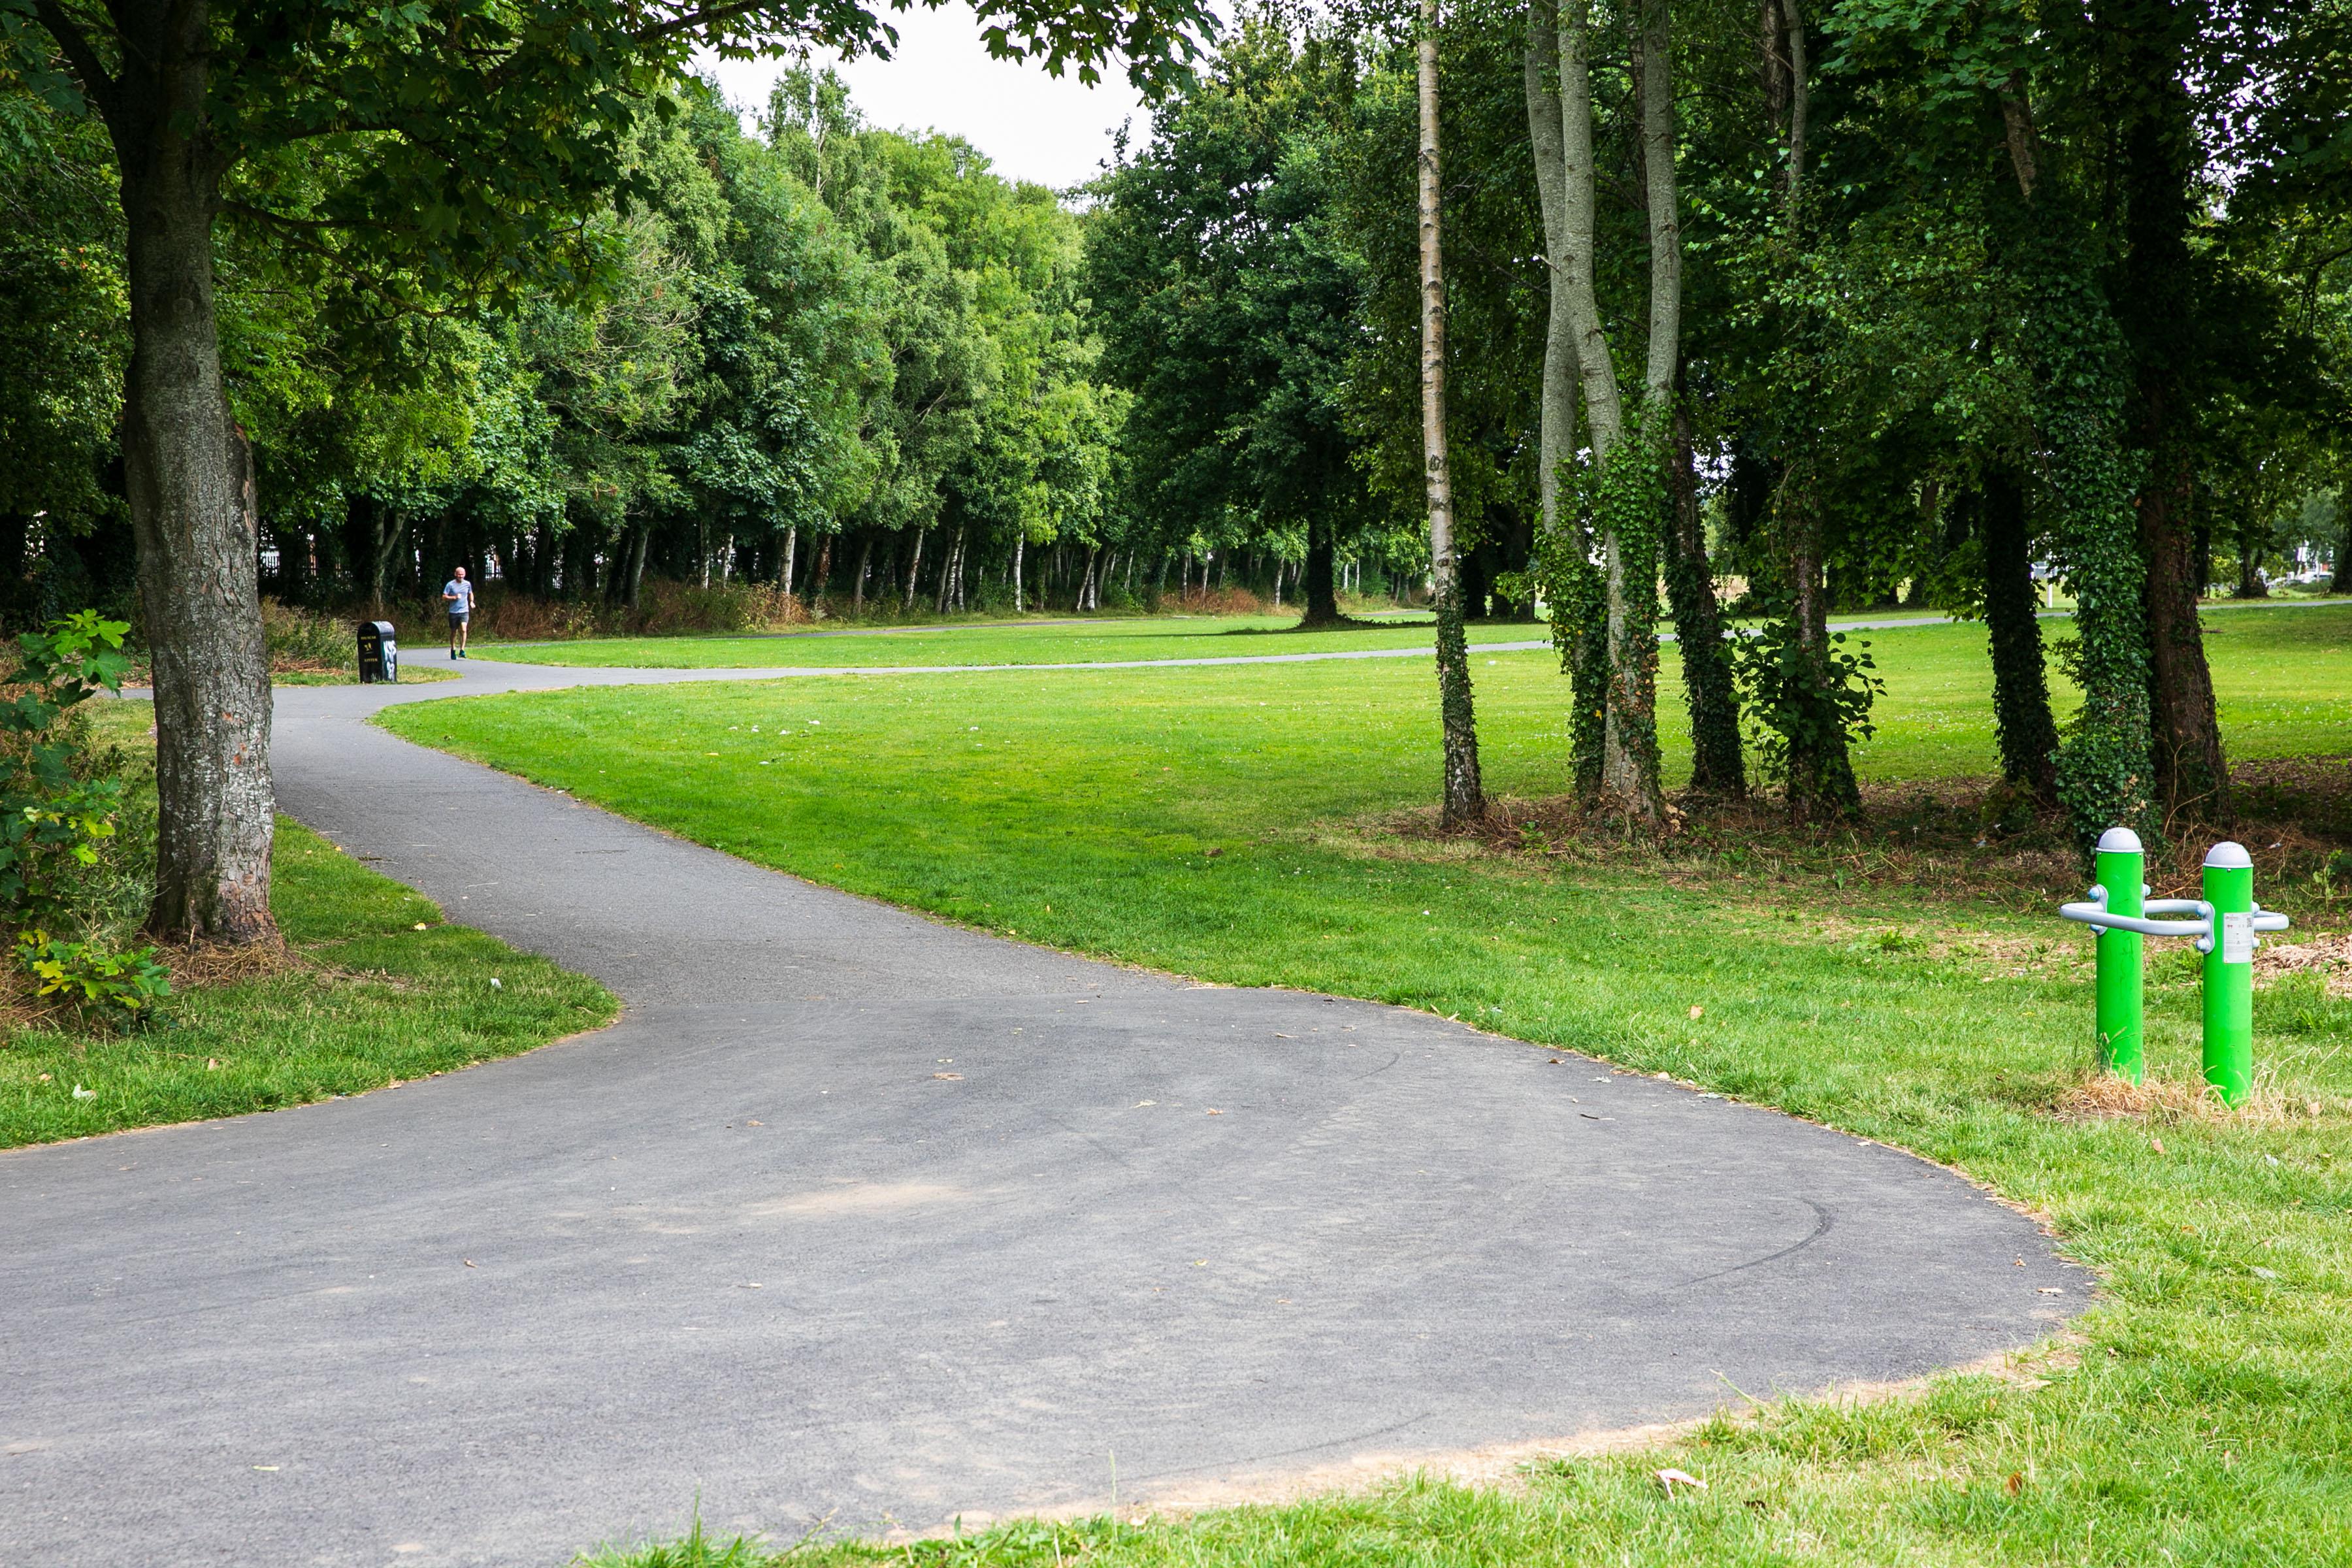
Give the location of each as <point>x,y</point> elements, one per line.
<point>857,1221</point>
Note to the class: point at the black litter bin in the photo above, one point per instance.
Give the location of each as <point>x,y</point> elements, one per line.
<point>379,652</point>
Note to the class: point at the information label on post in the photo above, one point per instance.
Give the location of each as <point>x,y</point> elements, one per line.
<point>2237,939</point>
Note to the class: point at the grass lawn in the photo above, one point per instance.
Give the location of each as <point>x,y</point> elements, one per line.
<point>1156,637</point>
<point>1245,825</point>
<point>383,989</point>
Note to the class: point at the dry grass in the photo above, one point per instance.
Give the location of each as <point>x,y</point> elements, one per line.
<point>2105,1096</point>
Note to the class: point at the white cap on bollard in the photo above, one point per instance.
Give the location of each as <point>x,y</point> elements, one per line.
<point>2120,841</point>
<point>2229,855</point>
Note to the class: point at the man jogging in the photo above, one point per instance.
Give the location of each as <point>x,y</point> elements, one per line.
<point>458,595</point>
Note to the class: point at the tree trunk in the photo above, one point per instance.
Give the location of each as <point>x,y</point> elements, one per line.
<point>792,547</point>
<point>864,564</point>
<point>2021,691</point>
<point>2157,306</point>
<point>389,532</point>
<point>2251,584</point>
<point>1629,765</point>
<point>1709,691</point>
<point>1019,540</point>
<point>188,474</point>
<point>914,566</point>
<point>1465,797</point>
<point>1820,767</point>
<point>1556,439</point>
<point>641,538</point>
<point>1316,577</point>
<point>822,578</point>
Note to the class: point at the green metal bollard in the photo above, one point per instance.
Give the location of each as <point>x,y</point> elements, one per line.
<point>2120,867</point>
<point>2230,972</point>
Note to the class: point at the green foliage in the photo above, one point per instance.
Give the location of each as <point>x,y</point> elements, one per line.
<point>1804,702</point>
<point>2089,479</point>
<point>1227,299</point>
<point>58,815</point>
<point>1628,508</point>
<point>111,984</point>
<point>53,814</point>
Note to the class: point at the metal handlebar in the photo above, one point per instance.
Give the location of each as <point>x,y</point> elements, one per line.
<point>2095,912</point>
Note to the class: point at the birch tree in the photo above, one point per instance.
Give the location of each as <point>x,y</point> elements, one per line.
<point>1465,798</point>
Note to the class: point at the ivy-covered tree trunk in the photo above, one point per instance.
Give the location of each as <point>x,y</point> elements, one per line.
<point>2027,733</point>
<point>1465,795</point>
<point>1821,763</point>
<point>188,475</point>
<point>1564,548</point>
<point>1708,688</point>
<point>2157,306</point>
<point>2105,767</point>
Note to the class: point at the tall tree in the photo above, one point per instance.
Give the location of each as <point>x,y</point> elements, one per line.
<point>479,135</point>
<point>1465,795</point>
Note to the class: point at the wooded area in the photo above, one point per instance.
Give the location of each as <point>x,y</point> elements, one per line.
<point>1661,311</point>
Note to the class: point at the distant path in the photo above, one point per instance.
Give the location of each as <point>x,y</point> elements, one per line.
<point>725,672</point>
<point>861,1220</point>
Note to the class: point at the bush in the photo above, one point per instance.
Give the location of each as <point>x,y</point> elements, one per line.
<point>93,980</point>
<point>306,641</point>
<point>61,863</point>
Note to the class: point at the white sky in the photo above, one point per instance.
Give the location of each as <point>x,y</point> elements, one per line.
<point>1032,127</point>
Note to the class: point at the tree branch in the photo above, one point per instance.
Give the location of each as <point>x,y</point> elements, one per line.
<point>74,44</point>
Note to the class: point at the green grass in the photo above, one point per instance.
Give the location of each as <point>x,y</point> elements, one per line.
<point>1157,637</point>
<point>2204,1412</point>
<point>374,1000</point>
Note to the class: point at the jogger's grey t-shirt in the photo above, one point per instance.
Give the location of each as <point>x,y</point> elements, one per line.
<point>462,604</point>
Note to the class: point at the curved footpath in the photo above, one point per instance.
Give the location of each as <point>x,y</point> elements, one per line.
<point>857,1221</point>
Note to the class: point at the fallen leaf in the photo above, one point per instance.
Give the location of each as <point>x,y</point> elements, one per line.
<point>419,926</point>
<point>211,1064</point>
<point>471,1264</point>
<point>2016,1483</point>
<point>2049,1290</point>
<point>44,1078</point>
<point>1216,1113</point>
<point>2156,1144</point>
<point>1698,1011</point>
<point>950,1076</point>
<point>755,1124</point>
<point>1669,1479</point>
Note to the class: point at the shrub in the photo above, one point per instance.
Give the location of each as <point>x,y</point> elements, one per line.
<point>305,640</point>
<point>93,980</point>
<point>59,809</point>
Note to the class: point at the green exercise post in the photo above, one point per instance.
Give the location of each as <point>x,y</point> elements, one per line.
<point>2226,921</point>
<point>2119,866</point>
<point>2228,949</point>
